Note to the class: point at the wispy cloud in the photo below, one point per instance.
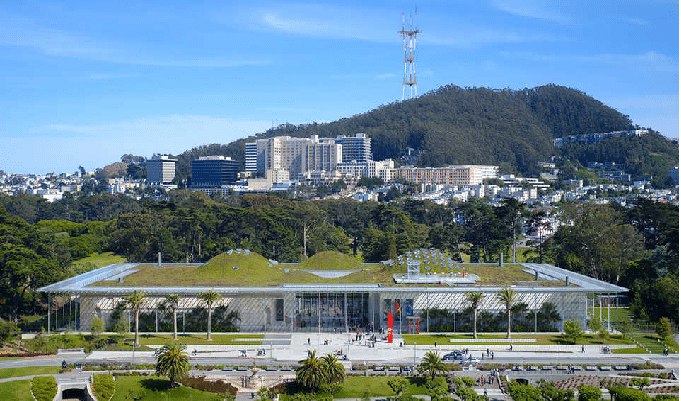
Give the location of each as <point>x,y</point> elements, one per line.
<point>649,60</point>
<point>364,76</point>
<point>108,77</point>
<point>376,25</point>
<point>534,9</point>
<point>25,32</point>
<point>637,21</point>
<point>325,21</point>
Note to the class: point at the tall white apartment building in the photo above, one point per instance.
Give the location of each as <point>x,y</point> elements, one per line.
<point>355,148</point>
<point>295,155</point>
<point>251,157</point>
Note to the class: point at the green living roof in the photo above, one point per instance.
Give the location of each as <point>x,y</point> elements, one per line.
<point>253,270</point>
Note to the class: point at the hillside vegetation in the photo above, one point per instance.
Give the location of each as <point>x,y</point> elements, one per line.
<point>454,125</point>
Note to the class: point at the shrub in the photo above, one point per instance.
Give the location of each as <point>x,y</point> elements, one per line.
<point>217,386</point>
<point>104,386</point>
<point>44,388</point>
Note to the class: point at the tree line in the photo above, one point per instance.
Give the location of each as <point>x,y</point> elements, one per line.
<point>635,246</point>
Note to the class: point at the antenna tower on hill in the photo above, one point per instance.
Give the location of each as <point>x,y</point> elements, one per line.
<point>409,42</point>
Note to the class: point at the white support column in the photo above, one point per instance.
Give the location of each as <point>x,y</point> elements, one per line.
<point>49,307</point>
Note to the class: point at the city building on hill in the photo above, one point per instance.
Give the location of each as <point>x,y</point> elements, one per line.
<point>214,171</point>
<point>355,148</point>
<point>296,155</point>
<point>450,175</point>
<point>161,170</point>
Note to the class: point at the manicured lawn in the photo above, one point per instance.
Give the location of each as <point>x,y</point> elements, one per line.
<point>636,350</point>
<point>358,387</point>
<point>19,390</point>
<point>33,370</point>
<point>650,341</point>
<point>200,339</point>
<point>616,314</point>
<point>541,339</point>
<point>152,388</point>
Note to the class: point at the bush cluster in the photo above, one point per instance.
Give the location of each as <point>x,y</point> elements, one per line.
<point>104,386</point>
<point>44,388</point>
<point>200,383</point>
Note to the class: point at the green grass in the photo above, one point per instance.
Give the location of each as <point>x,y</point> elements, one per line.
<point>19,390</point>
<point>541,339</point>
<point>254,270</point>
<point>200,339</point>
<point>617,315</point>
<point>650,341</point>
<point>26,371</point>
<point>637,350</point>
<point>102,259</point>
<point>153,388</point>
<point>358,387</point>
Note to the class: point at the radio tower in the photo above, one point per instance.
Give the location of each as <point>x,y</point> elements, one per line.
<point>409,43</point>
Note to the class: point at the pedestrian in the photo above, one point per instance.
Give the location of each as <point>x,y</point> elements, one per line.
<point>435,344</point>
<point>485,392</point>
<point>582,347</point>
<point>511,347</point>
<point>308,341</point>
<point>492,354</point>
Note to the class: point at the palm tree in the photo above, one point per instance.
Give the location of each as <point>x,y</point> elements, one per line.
<point>335,372</point>
<point>209,298</point>
<point>475,298</point>
<point>432,364</point>
<point>311,373</point>
<point>173,301</point>
<point>508,297</point>
<point>172,361</point>
<point>135,301</point>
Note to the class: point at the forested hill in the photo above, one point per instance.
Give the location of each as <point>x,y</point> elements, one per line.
<point>453,125</point>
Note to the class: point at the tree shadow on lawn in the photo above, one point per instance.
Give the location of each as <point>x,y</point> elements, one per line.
<point>156,384</point>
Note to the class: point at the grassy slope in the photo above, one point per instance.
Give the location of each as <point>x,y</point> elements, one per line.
<point>33,370</point>
<point>19,390</point>
<point>102,259</point>
<point>154,388</point>
<point>254,270</point>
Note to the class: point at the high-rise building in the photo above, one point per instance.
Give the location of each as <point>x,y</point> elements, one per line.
<point>160,170</point>
<point>295,155</point>
<point>355,148</point>
<point>251,157</point>
<point>214,171</point>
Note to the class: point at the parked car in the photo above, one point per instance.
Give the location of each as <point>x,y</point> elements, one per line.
<point>452,356</point>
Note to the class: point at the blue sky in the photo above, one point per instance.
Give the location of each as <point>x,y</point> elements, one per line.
<point>84,82</point>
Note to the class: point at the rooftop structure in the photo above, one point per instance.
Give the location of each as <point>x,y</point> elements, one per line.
<point>330,290</point>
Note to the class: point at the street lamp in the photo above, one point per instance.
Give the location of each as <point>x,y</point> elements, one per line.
<point>414,354</point>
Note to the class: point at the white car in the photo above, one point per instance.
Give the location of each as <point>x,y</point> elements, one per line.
<point>469,360</point>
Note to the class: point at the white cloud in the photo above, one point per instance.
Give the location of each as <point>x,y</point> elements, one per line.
<point>24,32</point>
<point>534,9</point>
<point>637,21</point>
<point>325,21</point>
<point>63,147</point>
<point>657,111</point>
<point>647,61</point>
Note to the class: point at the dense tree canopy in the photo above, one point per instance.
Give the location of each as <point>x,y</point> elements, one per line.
<point>635,246</point>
